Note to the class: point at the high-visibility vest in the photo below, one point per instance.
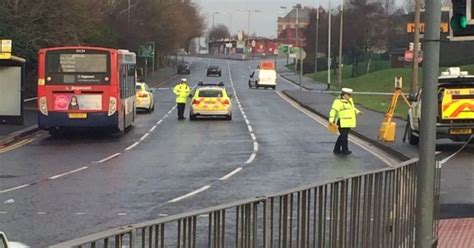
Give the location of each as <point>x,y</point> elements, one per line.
<point>181,91</point>
<point>344,112</point>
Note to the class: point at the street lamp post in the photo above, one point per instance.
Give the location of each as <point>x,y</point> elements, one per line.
<point>339,76</point>
<point>329,45</point>
<point>316,42</point>
<point>297,37</point>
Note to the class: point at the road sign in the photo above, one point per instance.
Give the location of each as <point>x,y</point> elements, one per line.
<point>444,27</point>
<point>282,48</point>
<point>146,50</point>
<point>5,49</point>
<point>296,52</point>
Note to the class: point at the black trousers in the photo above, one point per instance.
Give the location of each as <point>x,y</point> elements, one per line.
<point>181,107</point>
<point>342,143</point>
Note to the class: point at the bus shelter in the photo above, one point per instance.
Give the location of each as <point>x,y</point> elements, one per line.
<point>12,79</point>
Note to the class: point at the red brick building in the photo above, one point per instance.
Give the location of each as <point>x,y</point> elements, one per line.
<point>286,30</point>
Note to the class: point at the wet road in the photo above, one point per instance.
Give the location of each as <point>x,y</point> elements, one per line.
<point>53,190</point>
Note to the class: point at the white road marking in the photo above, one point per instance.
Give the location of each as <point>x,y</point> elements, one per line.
<point>9,201</point>
<point>253,136</point>
<point>80,213</point>
<point>41,213</point>
<point>230,174</point>
<point>107,158</point>
<point>251,158</point>
<point>190,194</point>
<point>132,146</point>
<point>144,137</point>
<point>163,215</point>
<point>122,214</point>
<point>247,121</point>
<point>153,128</point>
<point>3,212</point>
<point>383,156</point>
<point>250,128</point>
<point>14,188</point>
<point>159,122</point>
<point>68,173</point>
<point>255,146</point>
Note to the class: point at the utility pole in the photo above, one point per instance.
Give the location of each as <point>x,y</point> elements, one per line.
<point>416,42</point>
<point>297,37</point>
<point>316,42</point>
<point>248,25</point>
<point>329,45</point>
<point>339,76</point>
<point>427,164</point>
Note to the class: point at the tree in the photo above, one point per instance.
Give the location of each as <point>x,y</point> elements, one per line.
<point>219,32</point>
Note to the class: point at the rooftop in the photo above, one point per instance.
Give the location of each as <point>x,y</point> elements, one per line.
<point>303,13</point>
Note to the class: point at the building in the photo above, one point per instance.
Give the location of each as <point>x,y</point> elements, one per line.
<point>286,30</point>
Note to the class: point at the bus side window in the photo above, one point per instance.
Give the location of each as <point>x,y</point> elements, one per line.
<point>123,82</point>
<point>131,80</point>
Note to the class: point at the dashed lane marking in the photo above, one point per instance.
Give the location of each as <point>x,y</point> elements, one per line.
<point>68,173</point>
<point>14,188</point>
<point>251,158</point>
<point>230,174</point>
<point>190,194</point>
<point>3,212</point>
<point>153,128</point>
<point>107,158</point>
<point>41,213</point>
<point>255,146</point>
<point>132,146</point>
<point>250,128</point>
<point>144,136</point>
<point>122,214</point>
<point>253,137</point>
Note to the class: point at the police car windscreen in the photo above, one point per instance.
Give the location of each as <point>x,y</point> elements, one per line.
<point>210,93</point>
<point>85,67</point>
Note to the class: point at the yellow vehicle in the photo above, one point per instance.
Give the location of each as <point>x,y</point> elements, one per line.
<point>210,100</point>
<point>144,97</point>
<point>455,108</point>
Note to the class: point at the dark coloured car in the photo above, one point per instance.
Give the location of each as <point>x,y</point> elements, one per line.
<point>214,70</point>
<point>184,68</point>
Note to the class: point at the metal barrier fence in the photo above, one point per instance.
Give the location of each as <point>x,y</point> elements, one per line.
<point>375,209</point>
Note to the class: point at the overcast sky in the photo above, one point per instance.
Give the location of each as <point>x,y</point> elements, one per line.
<point>263,23</point>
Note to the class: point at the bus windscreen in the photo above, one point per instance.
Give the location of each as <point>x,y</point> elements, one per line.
<point>68,67</point>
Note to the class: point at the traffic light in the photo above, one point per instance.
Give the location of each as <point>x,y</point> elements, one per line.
<point>461,20</point>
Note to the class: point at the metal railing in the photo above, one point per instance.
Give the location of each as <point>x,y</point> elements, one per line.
<point>375,209</point>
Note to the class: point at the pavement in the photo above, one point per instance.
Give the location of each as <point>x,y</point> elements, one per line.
<point>61,188</point>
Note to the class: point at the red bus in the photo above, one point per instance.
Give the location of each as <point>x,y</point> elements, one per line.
<point>86,87</point>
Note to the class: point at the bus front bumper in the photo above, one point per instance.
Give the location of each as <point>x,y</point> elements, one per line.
<point>63,120</point>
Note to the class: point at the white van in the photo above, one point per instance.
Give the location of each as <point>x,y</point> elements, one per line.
<point>263,78</point>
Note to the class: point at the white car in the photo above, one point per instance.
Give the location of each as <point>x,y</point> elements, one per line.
<point>263,78</point>
<point>144,97</point>
<point>5,244</point>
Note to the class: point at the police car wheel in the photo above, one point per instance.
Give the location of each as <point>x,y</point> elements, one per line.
<point>412,139</point>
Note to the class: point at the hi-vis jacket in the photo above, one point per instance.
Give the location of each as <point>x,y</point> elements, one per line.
<point>181,91</point>
<point>344,112</point>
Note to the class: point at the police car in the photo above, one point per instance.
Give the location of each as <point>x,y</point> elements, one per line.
<point>210,100</point>
<point>455,118</point>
